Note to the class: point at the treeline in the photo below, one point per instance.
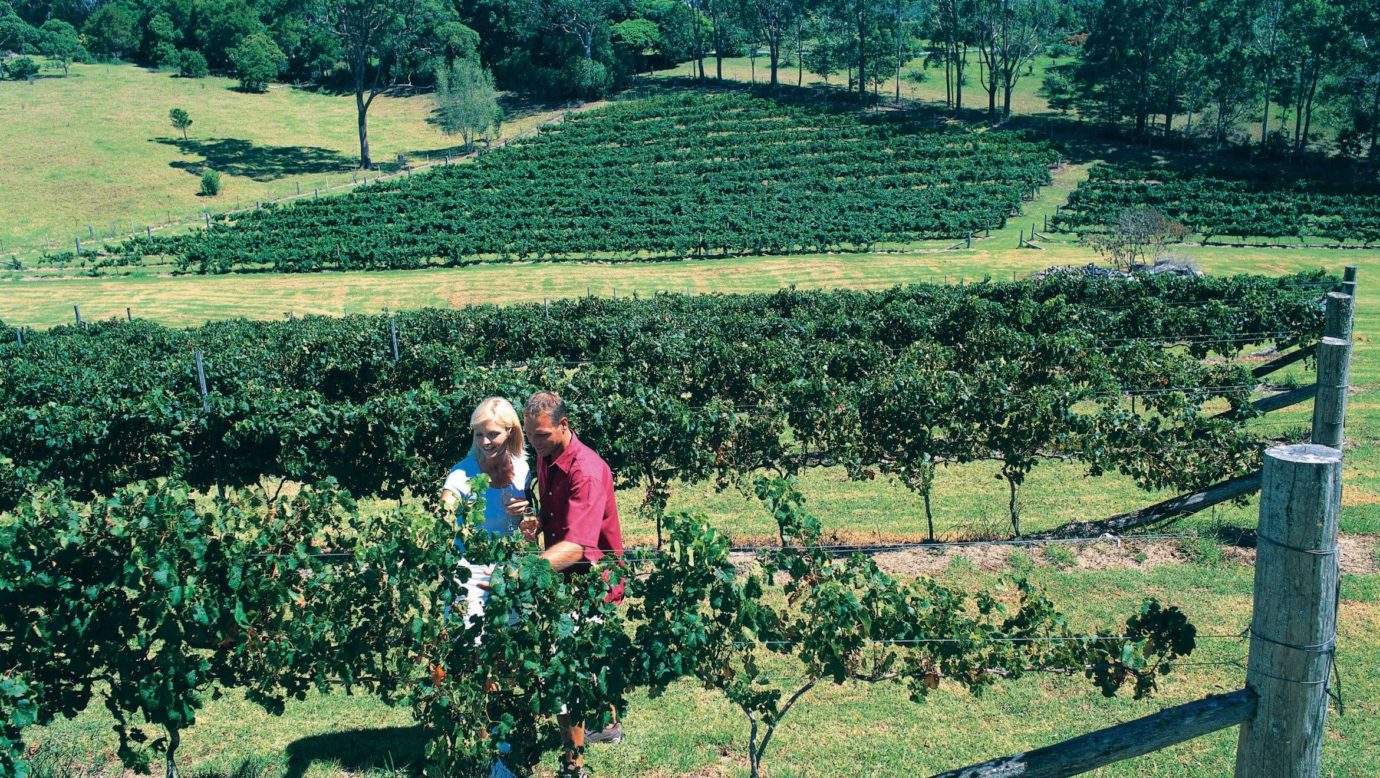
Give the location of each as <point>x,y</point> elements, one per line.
<point>671,388</point>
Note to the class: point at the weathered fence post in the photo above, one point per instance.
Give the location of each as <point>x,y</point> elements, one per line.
<point>1294,622</point>
<point>129,314</point>
<point>1349,280</point>
<point>76,310</point>
<point>201,383</point>
<point>393,336</point>
<point>1339,309</point>
<point>1334,372</point>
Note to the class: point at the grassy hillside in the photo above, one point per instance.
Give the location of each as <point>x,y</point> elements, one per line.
<point>96,148</point>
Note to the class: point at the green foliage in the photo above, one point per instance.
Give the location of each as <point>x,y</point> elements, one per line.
<point>191,64</point>
<point>673,387</point>
<point>21,69</point>
<point>181,120</point>
<point>258,61</point>
<point>166,56</point>
<point>210,182</point>
<point>466,101</point>
<point>586,79</point>
<point>111,32</point>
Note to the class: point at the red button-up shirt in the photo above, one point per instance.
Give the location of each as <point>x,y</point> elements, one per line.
<point>577,502</point>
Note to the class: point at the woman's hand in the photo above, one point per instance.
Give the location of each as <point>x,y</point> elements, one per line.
<point>529,526</point>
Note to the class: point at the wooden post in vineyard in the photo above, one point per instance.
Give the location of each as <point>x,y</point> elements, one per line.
<point>393,336</point>
<point>1334,372</point>
<point>1294,623</point>
<point>76,310</point>
<point>129,315</point>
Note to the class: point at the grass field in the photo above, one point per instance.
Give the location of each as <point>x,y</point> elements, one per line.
<point>96,149</point>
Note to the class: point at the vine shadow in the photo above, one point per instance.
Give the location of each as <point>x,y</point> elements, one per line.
<point>237,157</point>
<point>358,750</point>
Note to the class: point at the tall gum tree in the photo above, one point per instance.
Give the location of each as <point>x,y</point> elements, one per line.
<point>382,40</point>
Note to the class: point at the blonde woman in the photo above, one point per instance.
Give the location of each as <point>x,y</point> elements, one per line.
<point>498,452</point>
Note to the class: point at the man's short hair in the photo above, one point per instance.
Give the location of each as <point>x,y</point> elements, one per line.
<point>544,403</point>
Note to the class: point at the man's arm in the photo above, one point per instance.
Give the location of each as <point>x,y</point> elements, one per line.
<point>564,555</point>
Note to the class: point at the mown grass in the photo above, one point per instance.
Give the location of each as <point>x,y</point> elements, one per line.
<point>96,149</point>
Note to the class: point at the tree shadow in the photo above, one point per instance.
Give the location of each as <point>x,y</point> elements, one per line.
<point>237,157</point>
<point>358,750</point>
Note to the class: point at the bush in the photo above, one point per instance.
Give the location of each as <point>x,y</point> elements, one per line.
<point>586,79</point>
<point>21,69</point>
<point>258,60</point>
<point>190,64</point>
<point>210,183</point>
<point>165,56</point>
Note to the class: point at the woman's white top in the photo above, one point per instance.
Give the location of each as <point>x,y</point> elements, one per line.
<point>496,518</point>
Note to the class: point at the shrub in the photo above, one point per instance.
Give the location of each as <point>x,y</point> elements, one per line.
<point>165,56</point>
<point>586,79</point>
<point>258,61</point>
<point>210,183</point>
<point>191,64</point>
<point>21,69</point>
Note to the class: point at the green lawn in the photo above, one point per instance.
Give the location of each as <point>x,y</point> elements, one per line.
<point>96,149</point>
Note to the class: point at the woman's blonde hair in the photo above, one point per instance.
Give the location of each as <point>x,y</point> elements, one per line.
<point>499,410</point>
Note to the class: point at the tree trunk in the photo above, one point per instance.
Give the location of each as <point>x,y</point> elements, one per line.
<point>1015,510</point>
<point>929,515</point>
<point>170,763</point>
<point>774,54</point>
<point>361,114</point>
<point>1308,108</point>
<point>718,64</point>
<point>862,52</point>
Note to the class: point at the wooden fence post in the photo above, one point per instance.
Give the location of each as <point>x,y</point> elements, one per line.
<point>1349,280</point>
<point>1329,404</point>
<point>1339,308</point>
<point>1294,622</point>
<point>393,335</point>
<point>201,383</point>
<point>76,311</point>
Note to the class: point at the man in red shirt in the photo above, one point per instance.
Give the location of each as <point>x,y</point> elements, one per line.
<point>579,518</point>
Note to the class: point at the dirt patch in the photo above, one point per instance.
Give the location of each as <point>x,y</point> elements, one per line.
<point>1358,555</point>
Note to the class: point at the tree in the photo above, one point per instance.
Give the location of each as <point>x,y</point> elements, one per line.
<point>1137,59</point>
<point>221,25</point>
<point>1316,40</point>
<point>59,43</point>
<point>466,100</point>
<point>1010,33</point>
<point>580,19</point>
<point>16,34</point>
<point>180,120</point>
<point>110,32</point>
<point>258,61</point>
<point>640,37</point>
<point>953,33</point>
<point>377,38</point>
<point>727,31</point>
<point>775,19</point>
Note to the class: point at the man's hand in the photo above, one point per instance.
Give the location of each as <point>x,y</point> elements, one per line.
<point>564,555</point>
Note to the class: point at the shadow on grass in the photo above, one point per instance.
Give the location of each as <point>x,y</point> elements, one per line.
<point>359,750</point>
<point>236,157</point>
